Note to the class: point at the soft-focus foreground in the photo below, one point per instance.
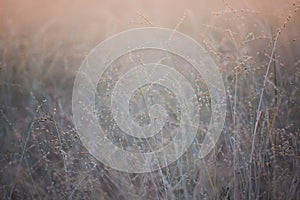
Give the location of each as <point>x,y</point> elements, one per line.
<point>255,44</point>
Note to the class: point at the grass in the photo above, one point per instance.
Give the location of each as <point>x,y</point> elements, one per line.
<point>256,46</point>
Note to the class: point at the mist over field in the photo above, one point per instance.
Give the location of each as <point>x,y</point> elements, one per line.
<point>256,47</point>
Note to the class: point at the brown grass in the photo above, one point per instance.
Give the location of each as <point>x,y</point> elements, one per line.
<point>256,45</point>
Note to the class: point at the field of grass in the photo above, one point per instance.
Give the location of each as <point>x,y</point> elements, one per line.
<point>255,44</point>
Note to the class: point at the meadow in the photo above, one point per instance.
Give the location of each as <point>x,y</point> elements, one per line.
<point>256,46</point>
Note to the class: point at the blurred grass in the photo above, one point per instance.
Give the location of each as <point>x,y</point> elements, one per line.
<point>42,44</point>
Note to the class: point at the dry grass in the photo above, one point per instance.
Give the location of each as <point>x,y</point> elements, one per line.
<point>256,46</point>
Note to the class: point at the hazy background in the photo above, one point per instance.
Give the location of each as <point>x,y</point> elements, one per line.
<point>71,28</point>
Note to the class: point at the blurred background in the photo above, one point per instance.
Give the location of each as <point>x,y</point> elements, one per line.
<point>255,44</point>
